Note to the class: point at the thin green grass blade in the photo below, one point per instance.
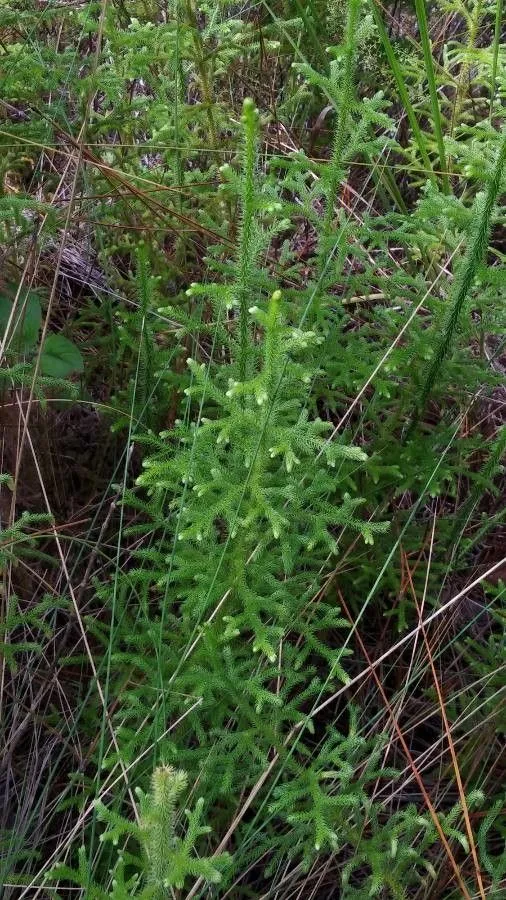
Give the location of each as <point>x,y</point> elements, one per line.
<point>384,180</point>
<point>401,87</point>
<point>310,30</point>
<point>431,78</point>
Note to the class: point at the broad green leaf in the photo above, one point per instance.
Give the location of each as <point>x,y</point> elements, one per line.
<point>26,322</point>
<point>60,357</point>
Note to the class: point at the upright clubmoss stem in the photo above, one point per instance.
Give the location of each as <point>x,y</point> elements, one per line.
<point>495,54</point>
<point>245,255</point>
<point>338,147</point>
<point>475,253</point>
<point>343,112</point>
<point>464,80</point>
<point>201,62</point>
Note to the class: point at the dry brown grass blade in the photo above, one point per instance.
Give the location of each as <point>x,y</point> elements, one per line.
<point>419,780</point>
<point>442,610</point>
<point>117,177</point>
<point>451,746</point>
